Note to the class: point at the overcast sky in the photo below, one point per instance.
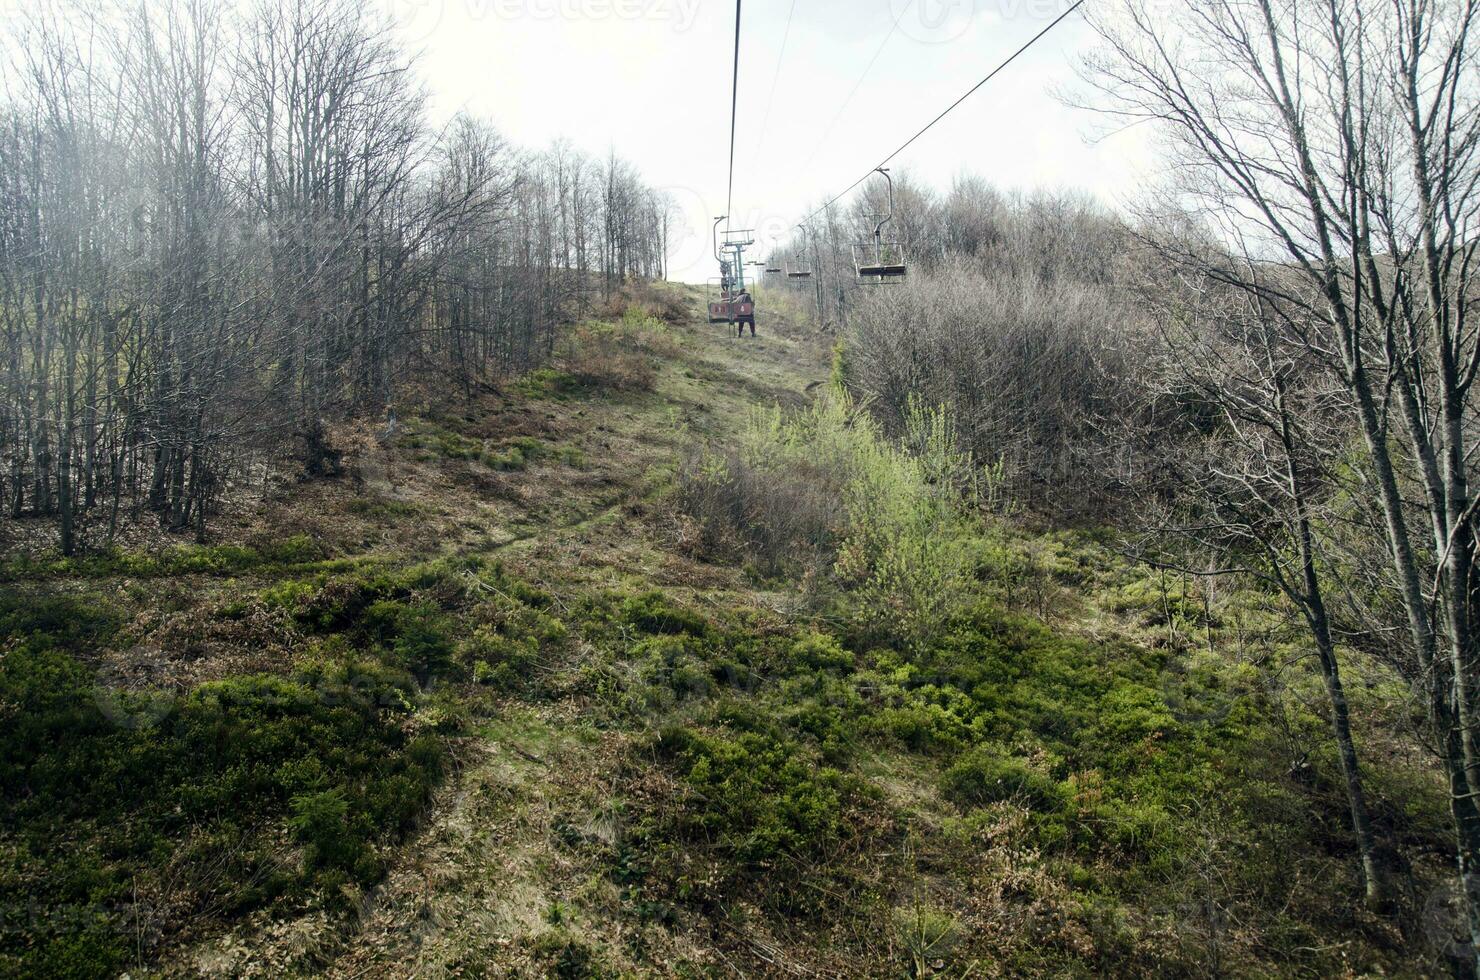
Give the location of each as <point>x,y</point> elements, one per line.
<point>652,79</point>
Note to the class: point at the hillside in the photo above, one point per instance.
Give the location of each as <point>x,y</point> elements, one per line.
<point>494,701</point>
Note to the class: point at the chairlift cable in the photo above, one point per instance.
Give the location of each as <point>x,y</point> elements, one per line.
<point>948,110</point>
<point>734,113</point>
<point>847,101</point>
<point>733,304</point>
<point>775,79</point>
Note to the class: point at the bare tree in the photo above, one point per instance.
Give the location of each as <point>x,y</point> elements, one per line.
<point>1260,448</point>
<point>1336,142</point>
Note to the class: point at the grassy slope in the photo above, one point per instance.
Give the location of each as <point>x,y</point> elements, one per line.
<point>690,784</point>
<point>494,885</point>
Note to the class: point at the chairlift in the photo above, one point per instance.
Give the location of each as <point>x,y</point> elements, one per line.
<point>799,267</point>
<point>729,299</point>
<point>729,303</point>
<point>880,261</point>
<point>718,300</point>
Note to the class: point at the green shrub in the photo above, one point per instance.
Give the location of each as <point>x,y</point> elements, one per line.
<point>296,549</point>
<point>651,612</point>
<point>93,950</point>
<point>69,620</point>
<point>893,521</point>
<point>340,603</point>
<point>289,594</point>
<point>757,797</point>
<point>93,802</point>
<point>501,660</point>
<point>107,561</point>
<point>322,822</point>
<point>222,559</point>
<point>820,651</point>
<point>987,774</point>
<point>547,383</point>
<point>209,560</point>
<point>415,636</point>
<point>920,727</point>
<point>517,454</point>
<point>675,662</point>
<point>911,525</point>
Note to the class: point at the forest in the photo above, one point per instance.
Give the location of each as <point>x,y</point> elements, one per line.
<point>216,237</point>
<point>399,577</point>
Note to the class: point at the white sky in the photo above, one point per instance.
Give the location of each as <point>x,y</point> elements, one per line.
<point>651,78</point>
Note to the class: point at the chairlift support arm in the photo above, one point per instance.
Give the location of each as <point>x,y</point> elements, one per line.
<point>879,228</point>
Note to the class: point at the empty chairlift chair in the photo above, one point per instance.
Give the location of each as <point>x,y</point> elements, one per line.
<point>799,267</point>
<point>880,261</point>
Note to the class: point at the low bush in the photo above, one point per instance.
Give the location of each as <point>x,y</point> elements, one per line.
<point>987,774</point>
<point>70,620</point>
<point>621,356</point>
<point>981,345</point>
<point>648,300</point>
<point>501,658</point>
<point>99,805</point>
<point>547,383</point>
<point>782,522</point>
<point>758,799</point>
<point>652,612</point>
<point>823,494</point>
<point>221,560</point>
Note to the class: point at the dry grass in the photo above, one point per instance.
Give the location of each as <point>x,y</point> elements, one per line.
<point>602,359</point>
<point>660,300</point>
<point>729,509</point>
<point>623,355</point>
